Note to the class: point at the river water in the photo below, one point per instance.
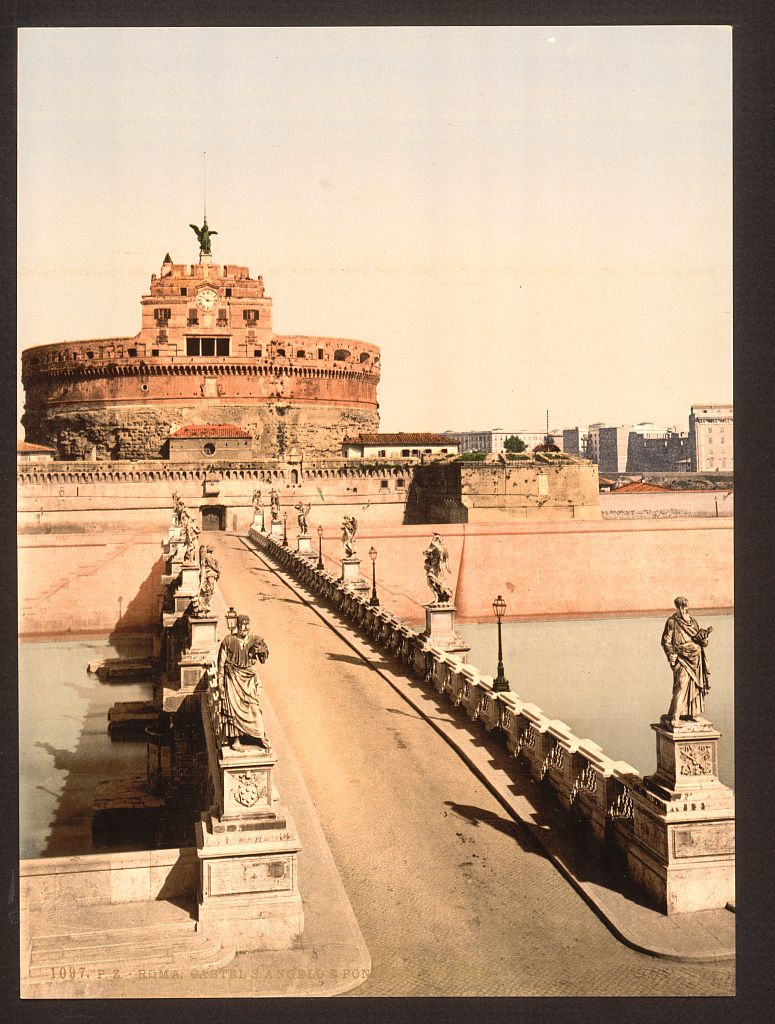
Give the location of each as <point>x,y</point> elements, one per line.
<point>64,747</point>
<point>608,678</point>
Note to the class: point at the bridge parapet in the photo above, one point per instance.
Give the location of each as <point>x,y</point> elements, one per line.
<point>607,796</point>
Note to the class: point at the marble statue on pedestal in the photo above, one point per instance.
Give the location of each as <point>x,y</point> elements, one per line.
<point>179,508</point>
<point>349,529</point>
<point>257,500</point>
<point>240,686</point>
<point>209,571</point>
<point>436,562</point>
<point>303,507</point>
<point>684,643</point>
<point>190,532</point>
<point>274,504</point>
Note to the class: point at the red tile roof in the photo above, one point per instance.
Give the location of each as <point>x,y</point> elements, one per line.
<point>211,430</point>
<point>640,488</point>
<point>402,439</point>
<point>23,447</point>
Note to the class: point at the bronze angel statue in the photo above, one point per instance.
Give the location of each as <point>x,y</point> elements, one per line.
<point>203,235</point>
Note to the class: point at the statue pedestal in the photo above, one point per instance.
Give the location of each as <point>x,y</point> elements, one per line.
<point>203,632</point>
<point>682,850</point>
<point>189,578</point>
<point>257,523</point>
<point>304,544</point>
<point>194,665</point>
<point>276,531</point>
<point>351,574</point>
<point>440,629</point>
<point>247,847</point>
<point>171,541</point>
<point>174,564</point>
<point>182,601</point>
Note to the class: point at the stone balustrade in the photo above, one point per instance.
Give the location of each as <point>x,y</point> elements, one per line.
<point>593,788</point>
<point>246,843</point>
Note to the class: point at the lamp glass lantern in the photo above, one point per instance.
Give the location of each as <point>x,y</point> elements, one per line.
<point>231,619</point>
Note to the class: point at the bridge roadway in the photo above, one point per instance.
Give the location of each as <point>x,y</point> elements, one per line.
<point>453,897</point>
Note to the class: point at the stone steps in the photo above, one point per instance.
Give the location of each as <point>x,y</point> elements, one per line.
<point>138,935</point>
<point>194,951</point>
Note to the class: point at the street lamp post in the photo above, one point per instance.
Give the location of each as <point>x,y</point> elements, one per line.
<point>320,547</point>
<point>231,619</point>
<point>285,529</point>
<point>500,683</point>
<point>263,525</point>
<point>374,602</point>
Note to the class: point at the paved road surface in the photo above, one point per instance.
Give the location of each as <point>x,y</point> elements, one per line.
<point>452,896</point>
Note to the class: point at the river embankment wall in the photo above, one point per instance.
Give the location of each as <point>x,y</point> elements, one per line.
<point>80,582</point>
<point>558,569</point>
<point>109,580</point>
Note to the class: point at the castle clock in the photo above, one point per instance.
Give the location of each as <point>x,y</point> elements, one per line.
<point>206,299</point>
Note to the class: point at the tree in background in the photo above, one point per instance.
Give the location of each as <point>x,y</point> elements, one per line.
<point>514,444</point>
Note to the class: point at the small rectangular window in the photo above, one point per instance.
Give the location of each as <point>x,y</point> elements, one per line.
<point>399,482</point>
<point>320,353</point>
<point>301,354</point>
<point>154,351</point>
<point>281,351</point>
<point>192,346</point>
<point>132,352</point>
<point>257,353</point>
<point>222,346</point>
<point>221,314</point>
<point>382,453</point>
<point>208,346</point>
<point>184,291</point>
<point>383,485</point>
<point>228,292</point>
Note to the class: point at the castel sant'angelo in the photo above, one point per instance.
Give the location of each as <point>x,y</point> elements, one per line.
<point>205,353</point>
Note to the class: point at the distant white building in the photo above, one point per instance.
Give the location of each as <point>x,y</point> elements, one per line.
<point>493,441</point>
<point>399,446</point>
<point>711,438</point>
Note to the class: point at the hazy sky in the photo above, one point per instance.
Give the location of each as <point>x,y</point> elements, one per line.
<point>521,218</point>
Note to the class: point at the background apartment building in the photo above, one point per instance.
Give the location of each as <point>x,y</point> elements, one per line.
<point>711,438</point>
